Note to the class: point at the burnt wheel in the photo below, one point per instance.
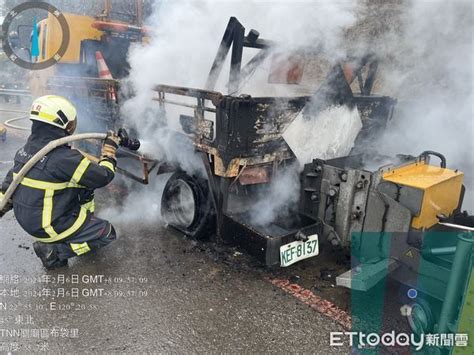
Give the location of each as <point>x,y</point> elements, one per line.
<point>186,205</point>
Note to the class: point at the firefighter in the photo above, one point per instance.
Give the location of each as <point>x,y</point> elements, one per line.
<point>55,201</point>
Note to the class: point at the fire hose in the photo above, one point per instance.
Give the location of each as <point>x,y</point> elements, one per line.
<point>9,123</point>
<point>125,141</point>
<point>40,155</point>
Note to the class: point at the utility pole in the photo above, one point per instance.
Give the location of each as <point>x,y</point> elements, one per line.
<point>139,12</point>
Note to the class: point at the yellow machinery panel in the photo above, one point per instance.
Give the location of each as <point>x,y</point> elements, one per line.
<point>441,190</point>
<point>50,36</point>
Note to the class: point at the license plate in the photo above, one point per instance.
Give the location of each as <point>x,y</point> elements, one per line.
<point>296,251</point>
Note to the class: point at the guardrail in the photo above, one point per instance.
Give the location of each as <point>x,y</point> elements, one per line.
<point>13,92</point>
<point>9,94</point>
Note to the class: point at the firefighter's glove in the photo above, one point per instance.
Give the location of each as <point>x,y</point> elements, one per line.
<point>8,207</point>
<point>110,147</point>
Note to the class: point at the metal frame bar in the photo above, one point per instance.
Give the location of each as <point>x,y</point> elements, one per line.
<point>176,103</point>
<point>213,96</point>
<point>248,69</point>
<point>222,52</point>
<point>236,57</point>
<point>234,37</point>
<point>148,165</point>
<point>370,80</point>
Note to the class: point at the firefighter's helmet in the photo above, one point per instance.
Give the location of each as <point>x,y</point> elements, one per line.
<point>56,111</point>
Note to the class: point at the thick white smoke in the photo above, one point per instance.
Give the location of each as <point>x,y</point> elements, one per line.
<point>425,48</point>
<point>142,206</point>
<point>281,196</point>
<point>430,72</point>
<point>186,36</point>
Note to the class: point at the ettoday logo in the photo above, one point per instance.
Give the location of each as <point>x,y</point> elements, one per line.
<point>399,340</point>
<point>32,63</point>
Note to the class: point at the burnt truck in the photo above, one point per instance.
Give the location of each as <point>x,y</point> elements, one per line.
<point>390,214</point>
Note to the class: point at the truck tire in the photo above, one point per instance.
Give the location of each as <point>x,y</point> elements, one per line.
<point>186,205</point>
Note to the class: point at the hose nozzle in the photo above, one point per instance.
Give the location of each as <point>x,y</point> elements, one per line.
<point>127,142</point>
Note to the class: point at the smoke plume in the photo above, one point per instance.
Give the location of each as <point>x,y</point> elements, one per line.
<point>186,36</point>
<point>279,199</point>
<point>425,48</point>
<point>429,70</point>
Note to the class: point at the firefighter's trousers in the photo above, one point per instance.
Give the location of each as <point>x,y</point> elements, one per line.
<point>95,235</point>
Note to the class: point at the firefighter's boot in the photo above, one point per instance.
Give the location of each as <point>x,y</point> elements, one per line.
<point>49,256</point>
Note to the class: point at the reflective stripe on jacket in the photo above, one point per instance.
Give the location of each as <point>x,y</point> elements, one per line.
<point>48,202</point>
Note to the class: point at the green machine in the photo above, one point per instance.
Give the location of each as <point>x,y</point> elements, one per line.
<point>401,218</point>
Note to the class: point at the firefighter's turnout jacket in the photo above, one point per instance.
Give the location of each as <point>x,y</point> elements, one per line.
<point>53,201</point>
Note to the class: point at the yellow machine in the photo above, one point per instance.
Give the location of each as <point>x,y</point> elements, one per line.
<point>88,36</point>
<point>97,45</point>
<point>50,36</point>
<point>441,190</point>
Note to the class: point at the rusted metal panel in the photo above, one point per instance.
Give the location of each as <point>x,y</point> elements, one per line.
<point>287,69</point>
<point>252,176</point>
